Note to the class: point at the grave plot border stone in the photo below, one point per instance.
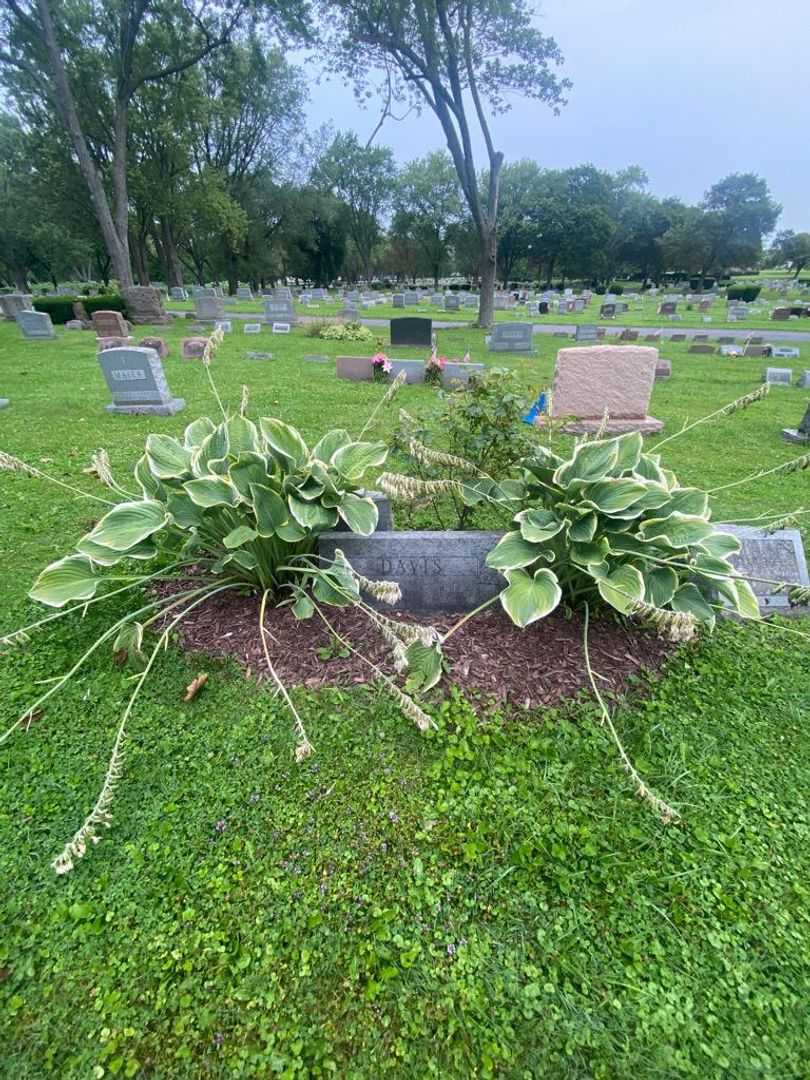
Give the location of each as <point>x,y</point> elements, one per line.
<point>414,370</point>
<point>354,368</point>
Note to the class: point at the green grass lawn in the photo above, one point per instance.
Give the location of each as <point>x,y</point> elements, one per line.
<point>642,312</point>
<point>488,899</point>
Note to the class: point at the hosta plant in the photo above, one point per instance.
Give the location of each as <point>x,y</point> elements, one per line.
<point>233,504</point>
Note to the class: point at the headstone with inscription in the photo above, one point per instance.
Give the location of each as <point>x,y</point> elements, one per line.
<point>35,324</point>
<point>279,310</point>
<point>412,331</point>
<point>585,332</point>
<point>252,328</point>
<point>144,305</point>
<point>208,308</point>
<point>436,571</point>
<point>137,383</point>
<point>778,376</point>
<point>765,558</point>
<point>511,337</point>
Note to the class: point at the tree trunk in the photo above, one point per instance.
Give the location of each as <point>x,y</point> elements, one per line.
<point>65,105</point>
<point>174,271</point>
<point>489,269</point>
<point>138,249</point>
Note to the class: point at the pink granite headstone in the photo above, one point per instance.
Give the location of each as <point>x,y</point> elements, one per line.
<point>192,348</point>
<point>156,343</point>
<point>592,380</point>
<point>110,324</point>
<point>355,368</point>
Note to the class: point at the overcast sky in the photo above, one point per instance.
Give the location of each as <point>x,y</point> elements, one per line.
<point>690,90</point>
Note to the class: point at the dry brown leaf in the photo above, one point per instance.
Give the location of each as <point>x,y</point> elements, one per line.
<point>195,686</point>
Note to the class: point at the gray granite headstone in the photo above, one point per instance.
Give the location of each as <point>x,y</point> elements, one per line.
<point>585,332</point>
<point>451,302</point>
<point>414,370</point>
<point>137,383</point>
<point>279,310</point>
<point>11,303</point>
<point>777,556</point>
<point>244,292</point>
<point>804,380</point>
<point>259,355</point>
<point>801,434</point>
<point>35,324</point>
<point>209,307</point>
<point>176,293</point>
<point>778,376</point>
<point>784,352</point>
<point>436,571</point>
<point>252,328</point>
<point>412,331</point>
<point>511,337</point>
<point>457,373</point>
<point>398,300</point>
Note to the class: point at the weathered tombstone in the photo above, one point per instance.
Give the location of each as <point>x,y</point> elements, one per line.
<point>398,300</point>
<point>776,556</point>
<point>355,368</point>
<point>705,350</point>
<point>110,324</point>
<point>414,370</point>
<point>137,383</point>
<point>253,328</point>
<point>457,373</point>
<point>668,307</point>
<point>145,305</point>
<point>511,337</point>
<point>579,305</point>
<point>176,293</point>
<point>412,331</point>
<point>757,350</point>
<point>11,303</point>
<point>663,369</point>
<point>804,380</point>
<point>279,310</point>
<point>436,571</point>
<point>451,302</point>
<point>585,332</point>
<point>785,352</point>
<point>607,311</point>
<point>157,343</point>
<point>192,348</point>
<point>208,308</point>
<point>244,292</point>
<point>617,379</point>
<point>628,335</point>
<point>778,376</point>
<point>74,324</point>
<point>801,434</point>
<point>411,298</point>
<point>35,324</point>
<point>654,335</point>
<point>678,337</point>
<point>781,314</point>
<point>114,341</point>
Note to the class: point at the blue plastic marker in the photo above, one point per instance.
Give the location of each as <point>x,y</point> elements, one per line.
<point>538,407</point>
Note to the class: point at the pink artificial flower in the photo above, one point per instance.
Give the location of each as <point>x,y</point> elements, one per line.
<point>380,360</point>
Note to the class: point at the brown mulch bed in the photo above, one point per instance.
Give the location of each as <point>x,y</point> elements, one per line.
<point>488,657</point>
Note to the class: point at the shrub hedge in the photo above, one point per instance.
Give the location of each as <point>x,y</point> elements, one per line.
<point>60,308</point>
<point>744,292</point>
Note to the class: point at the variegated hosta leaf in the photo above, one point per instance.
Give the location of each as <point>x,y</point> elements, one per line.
<point>660,585</point>
<point>628,452</point>
<point>615,494</point>
<point>622,588</point>
<point>249,468</point>
<point>242,534</point>
<point>270,509</point>
<point>648,468</point>
<point>331,442</point>
<point>128,644</point>
<point>676,530</point>
<point>312,515</point>
<point>292,532</point>
<point>356,458</point>
<point>594,551</point>
<point>336,585</point>
<point>212,453</point>
<point>360,514</point>
<point>584,528</point>
<point>285,441</point>
<point>212,491</point>
<point>591,461</point>
<point>720,544</point>
<point>71,578</point>
<point>512,552</point>
<point>128,524</point>
<point>185,512</point>
<point>148,483</point>
<point>689,599</point>
<point>104,556</point>
<point>243,436</point>
<point>537,526</point>
<point>528,597</point>
<point>303,608</point>
<point>477,491</point>
<point>691,501</point>
<point>424,667</point>
<point>196,431</point>
<point>168,458</point>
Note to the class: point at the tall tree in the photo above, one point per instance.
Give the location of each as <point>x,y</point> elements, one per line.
<point>428,209</point>
<point>746,213</point>
<point>363,178</point>
<point>462,59</point>
<point>790,247</point>
<point>108,50</point>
